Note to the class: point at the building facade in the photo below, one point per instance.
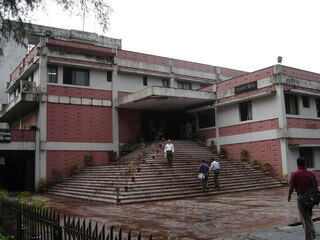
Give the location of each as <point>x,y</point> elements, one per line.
<point>78,93</point>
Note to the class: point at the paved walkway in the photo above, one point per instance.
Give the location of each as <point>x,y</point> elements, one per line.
<point>283,233</point>
<point>225,216</point>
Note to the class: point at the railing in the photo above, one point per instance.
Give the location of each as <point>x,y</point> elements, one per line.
<point>26,222</point>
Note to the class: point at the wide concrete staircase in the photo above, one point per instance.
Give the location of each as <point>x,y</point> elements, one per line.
<point>157,181</point>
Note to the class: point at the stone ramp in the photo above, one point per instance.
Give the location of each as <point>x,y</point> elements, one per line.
<point>157,181</point>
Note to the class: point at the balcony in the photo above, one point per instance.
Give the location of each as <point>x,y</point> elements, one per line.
<point>15,139</point>
<point>25,98</point>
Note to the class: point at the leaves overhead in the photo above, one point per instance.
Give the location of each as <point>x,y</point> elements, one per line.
<point>14,14</point>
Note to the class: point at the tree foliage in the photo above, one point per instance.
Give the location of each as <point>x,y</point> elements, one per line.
<point>15,15</point>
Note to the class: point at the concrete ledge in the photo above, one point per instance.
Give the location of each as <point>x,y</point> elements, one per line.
<point>161,98</point>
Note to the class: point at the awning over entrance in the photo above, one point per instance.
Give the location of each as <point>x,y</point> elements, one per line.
<point>165,99</point>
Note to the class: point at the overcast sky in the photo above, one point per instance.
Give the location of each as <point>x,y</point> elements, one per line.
<point>241,34</point>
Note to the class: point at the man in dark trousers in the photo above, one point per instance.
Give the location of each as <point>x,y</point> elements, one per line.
<point>204,169</point>
<point>300,181</point>
<point>169,150</point>
<point>215,168</point>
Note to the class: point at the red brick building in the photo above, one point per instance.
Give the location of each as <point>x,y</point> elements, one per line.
<point>79,93</point>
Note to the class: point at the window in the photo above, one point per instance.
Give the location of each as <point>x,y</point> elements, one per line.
<point>306,102</point>
<point>109,76</point>
<point>245,111</point>
<point>206,118</point>
<point>291,102</point>
<point>75,76</point>
<point>184,85</point>
<point>52,73</point>
<point>165,83</point>
<point>145,81</point>
<point>307,154</point>
<point>318,107</point>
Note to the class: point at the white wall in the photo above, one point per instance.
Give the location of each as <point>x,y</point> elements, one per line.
<point>13,55</point>
<point>306,112</point>
<point>262,109</point>
<point>98,79</point>
<point>133,83</point>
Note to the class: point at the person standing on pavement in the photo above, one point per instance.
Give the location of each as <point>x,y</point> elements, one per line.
<point>300,181</point>
<point>215,168</point>
<point>204,169</point>
<point>169,150</point>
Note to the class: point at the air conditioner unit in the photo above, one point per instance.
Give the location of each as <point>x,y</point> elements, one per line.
<point>26,87</point>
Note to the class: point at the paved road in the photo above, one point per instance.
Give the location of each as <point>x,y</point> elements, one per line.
<point>204,218</point>
<point>283,233</point>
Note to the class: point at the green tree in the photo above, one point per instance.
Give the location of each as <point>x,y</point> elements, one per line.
<point>14,15</point>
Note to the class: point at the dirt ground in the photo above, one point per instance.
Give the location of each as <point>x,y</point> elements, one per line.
<point>209,217</point>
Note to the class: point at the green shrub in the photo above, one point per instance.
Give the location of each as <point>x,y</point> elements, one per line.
<point>244,153</point>
<point>267,166</point>
<point>88,159</point>
<point>74,167</point>
<point>256,162</point>
<point>3,237</point>
<point>223,151</point>
<point>43,184</point>
<point>57,174</point>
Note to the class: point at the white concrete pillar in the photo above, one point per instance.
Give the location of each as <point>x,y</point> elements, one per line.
<point>115,118</point>
<point>41,162</point>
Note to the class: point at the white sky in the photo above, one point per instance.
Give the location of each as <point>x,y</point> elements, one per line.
<point>241,34</point>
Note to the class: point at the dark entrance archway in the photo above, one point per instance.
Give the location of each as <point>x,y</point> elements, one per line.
<point>17,170</point>
<point>158,124</point>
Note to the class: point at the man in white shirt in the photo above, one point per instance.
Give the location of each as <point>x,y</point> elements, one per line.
<point>215,167</point>
<point>169,150</point>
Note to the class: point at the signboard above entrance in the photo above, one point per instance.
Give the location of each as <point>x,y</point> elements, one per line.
<point>5,136</point>
<point>246,87</point>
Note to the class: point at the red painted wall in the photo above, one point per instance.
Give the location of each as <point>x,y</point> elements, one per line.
<point>264,151</point>
<point>249,127</point>
<point>294,141</point>
<point>23,135</point>
<point>247,94</point>
<point>62,160</point>
<point>79,92</point>
<point>293,72</point>
<point>303,123</point>
<point>129,124</point>
<point>207,133</point>
<point>79,123</point>
<point>77,61</point>
<point>251,77</point>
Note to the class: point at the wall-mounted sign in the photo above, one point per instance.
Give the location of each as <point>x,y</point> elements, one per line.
<point>5,136</point>
<point>246,87</point>
<point>2,161</point>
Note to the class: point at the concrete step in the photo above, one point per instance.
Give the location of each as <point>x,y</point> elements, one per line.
<point>156,181</point>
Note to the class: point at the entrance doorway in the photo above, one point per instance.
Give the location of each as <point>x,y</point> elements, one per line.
<point>157,125</point>
<point>17,170</point>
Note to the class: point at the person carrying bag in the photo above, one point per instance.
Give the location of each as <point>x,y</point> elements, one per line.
<point>304,182</point>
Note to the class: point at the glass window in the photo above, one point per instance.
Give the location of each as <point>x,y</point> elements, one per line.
<point>75,76</point>
<point>206,118</point>
<point>291,102</point>
<point>184,85</point>
<point>306,102</point>
<point>145,81</point>
<point>52,73</point>
<point>245,111</point>
<point>307,154</point>
<point>318,107</point>
<point>109,76</point>
<point>165,83</point>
